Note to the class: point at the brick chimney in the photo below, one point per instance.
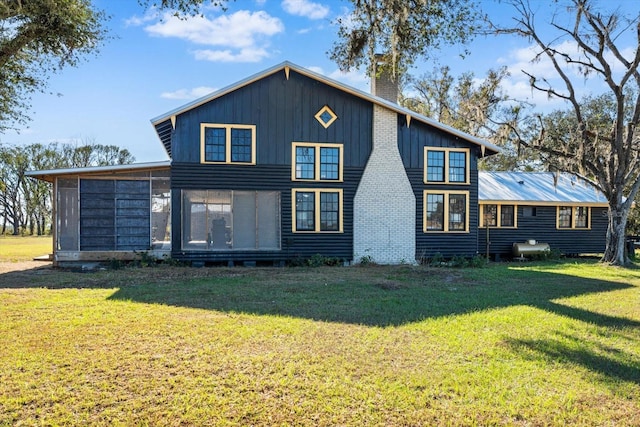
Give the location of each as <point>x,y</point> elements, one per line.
<point>383,84</point>
<point>384,207</point>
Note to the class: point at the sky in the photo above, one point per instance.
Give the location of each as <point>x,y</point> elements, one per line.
<point>153,63</point>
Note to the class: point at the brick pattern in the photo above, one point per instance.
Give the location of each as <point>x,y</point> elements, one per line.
<point>385,87</point>
<point>384,205</point>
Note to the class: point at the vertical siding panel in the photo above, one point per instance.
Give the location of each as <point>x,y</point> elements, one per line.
<point>283,111</point>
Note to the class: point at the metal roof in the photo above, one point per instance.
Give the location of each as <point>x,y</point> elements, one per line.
<point>48,175</point>
<point>537,188</point>
<point>162,122</point>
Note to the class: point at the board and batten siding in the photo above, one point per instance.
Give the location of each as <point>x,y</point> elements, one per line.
<point>411,142</point>
<point>283,112</point>
<point>542,228</point>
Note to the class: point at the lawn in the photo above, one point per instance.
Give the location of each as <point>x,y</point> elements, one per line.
<point>511,344</point>
<point>15,249</point>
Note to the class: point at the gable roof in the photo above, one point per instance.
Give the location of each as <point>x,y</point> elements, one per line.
<point>537,188</point>
<point>165,123</point>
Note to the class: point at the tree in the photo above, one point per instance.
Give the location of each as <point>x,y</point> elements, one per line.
<point>597,138</point>
<point>401,31</point>
<point>478,107</point>
<point>25,204</point>
<point>182,7</point>
<point>38,38</point>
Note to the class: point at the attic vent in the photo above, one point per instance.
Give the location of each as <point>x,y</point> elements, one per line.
<point>325,116</point>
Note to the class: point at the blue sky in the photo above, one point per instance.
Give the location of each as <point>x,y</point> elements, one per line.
<point>154,64</point>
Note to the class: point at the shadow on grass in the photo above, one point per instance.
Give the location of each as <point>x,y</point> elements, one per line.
<point>605,361</point>
<point>373,296</point>
<point>379,296</point>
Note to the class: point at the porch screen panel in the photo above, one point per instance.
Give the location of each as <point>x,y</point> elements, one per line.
<point>216,220</point>
<point>268,220</point>
<point>67,215</point>
<point>161,213</point>
<point>133,219</point>
<point>97,215</point>
<point>244,220</point>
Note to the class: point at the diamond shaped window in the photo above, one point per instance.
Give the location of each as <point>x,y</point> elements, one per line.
<point>325,116</point>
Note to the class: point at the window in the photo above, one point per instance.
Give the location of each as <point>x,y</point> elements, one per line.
<point>225,220</point>
<point>446,211</point>
<point>489,216</point>
<point>529,211</point>
<point>231,144</point>
<point>582,217</point>
<point>325,116</point>
<point>573,217</point>
<point>493,215</point>
<point>317,210</point>
<point>507,216</point>
<point>316,162</point>
<point>446,165</point>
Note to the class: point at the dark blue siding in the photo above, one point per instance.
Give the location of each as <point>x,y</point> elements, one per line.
<point>411,143</point>
<point>283,112</point>
<point>542,228</point>
<point>273,178</point>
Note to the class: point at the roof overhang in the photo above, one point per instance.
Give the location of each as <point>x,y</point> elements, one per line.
<point>50,174</point>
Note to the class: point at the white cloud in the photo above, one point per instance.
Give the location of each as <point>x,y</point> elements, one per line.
<point>238,30</point>
<point>135,21</point>
<point>227,55</point>
<point>355,79</point>
<point>305,8</point>
<point>188,94</point>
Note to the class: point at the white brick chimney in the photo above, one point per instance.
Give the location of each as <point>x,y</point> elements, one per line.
<point>385,205</point>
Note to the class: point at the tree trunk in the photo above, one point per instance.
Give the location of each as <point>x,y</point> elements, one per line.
<point>615,252</point>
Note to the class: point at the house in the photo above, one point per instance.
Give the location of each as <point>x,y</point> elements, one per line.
<point>559,209</point>
<point>284,164</point>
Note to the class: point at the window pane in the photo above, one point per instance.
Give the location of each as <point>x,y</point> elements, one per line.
<point>305,211</point>
<point>507,217</point>
<point>435,212</point>
<point>161,214</point>
<point>457,212</point>
<point>241,145</point>
<point>68,215</point>
<point>490,216</point>
<point>329,211</point>
<point>435,166</point>
<point>305,162</point>
<point>582,217</point>
<point>215,144</point>
<point>564,217</point>
<point>329,163</point>
<point>457,166</point>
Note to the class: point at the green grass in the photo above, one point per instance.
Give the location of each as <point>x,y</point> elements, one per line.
<point>18,248</point>
<point>511,344</point>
